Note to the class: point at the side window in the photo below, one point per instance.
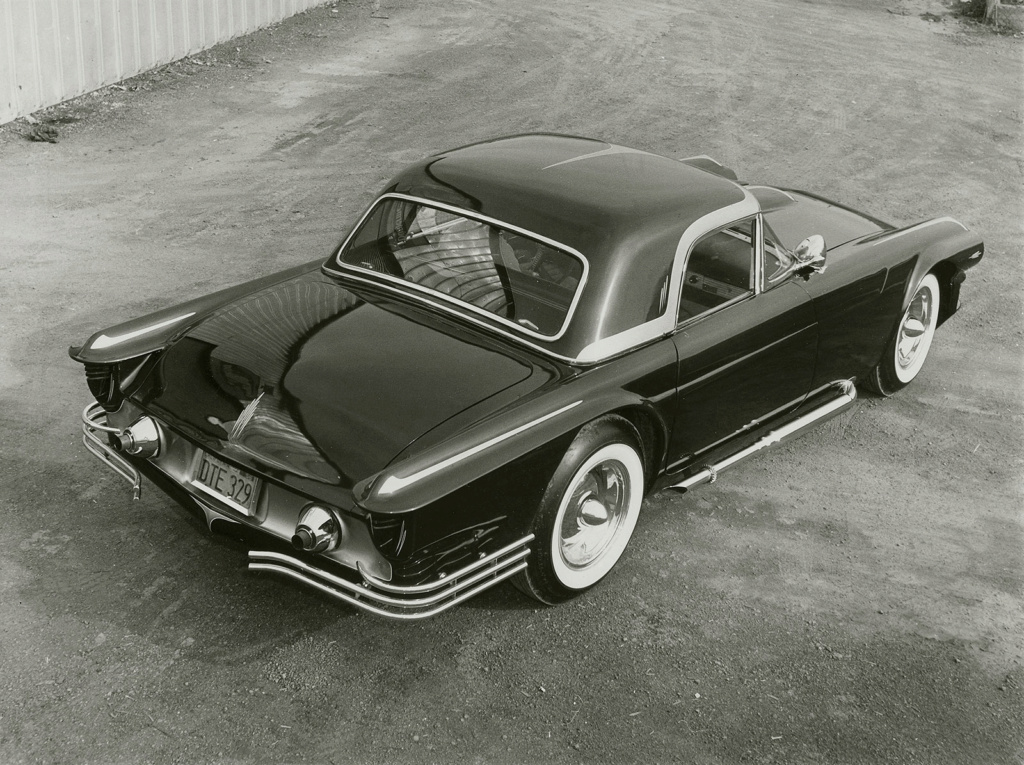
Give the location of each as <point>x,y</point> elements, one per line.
<point>720,269</point>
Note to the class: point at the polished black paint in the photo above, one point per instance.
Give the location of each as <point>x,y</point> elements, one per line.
<point>640,385</point>
<point>346,384</point>
<point>809,214</point>
<point>869,283</point>
<point>336,385</point>
<point>758,354</point>
<point>150,341</point>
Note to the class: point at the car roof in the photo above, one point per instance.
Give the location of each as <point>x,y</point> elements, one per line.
<point>585,193</point>
<point>623,209</point>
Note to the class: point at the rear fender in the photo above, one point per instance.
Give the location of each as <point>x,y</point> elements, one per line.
<point>486,448</point>
<point>154,331</point>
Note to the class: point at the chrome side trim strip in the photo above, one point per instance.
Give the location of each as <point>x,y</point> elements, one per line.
<point>719,370</point>
<point>395,602</point>
<point>395,483</point>
<point>94,420</point>
<point>793,404</point>
<point>886,236</point>
<point>847,394</point>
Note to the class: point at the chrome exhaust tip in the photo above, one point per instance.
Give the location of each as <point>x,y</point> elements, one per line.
<point>318,530</point>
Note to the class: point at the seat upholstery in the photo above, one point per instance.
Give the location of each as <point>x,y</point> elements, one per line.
<point>457,262</point>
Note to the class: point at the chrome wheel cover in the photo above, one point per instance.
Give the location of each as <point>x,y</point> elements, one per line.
<point>913,328</point>
<point>917,327</point>
<point>597,515</point>
<point>594,515</point>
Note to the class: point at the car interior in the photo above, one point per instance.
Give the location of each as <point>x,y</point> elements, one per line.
<point>720,269</point>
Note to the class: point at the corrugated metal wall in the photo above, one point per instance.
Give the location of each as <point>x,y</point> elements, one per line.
<point>52,50</point>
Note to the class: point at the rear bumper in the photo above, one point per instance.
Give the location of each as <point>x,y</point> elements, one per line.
<point>396,602</point>
<point>94,422</point>
<point>360,589</point>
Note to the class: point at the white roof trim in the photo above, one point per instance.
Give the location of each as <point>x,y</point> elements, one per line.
<point>666,323</point>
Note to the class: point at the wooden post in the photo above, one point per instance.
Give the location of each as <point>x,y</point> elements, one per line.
<point>990,8</point>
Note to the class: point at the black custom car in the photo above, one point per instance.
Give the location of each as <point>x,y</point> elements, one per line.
<point>516,342</point>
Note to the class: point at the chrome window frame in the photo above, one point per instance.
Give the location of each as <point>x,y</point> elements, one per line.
<point>440,299</point>
<point>765,282</point>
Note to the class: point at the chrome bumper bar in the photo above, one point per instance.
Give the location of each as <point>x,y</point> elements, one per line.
<point>371,594</point>
<point>94,422</point>
<point>395,602</point>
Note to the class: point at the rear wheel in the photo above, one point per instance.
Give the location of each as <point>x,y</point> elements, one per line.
<point>908,347</point>
<point>587,514</point>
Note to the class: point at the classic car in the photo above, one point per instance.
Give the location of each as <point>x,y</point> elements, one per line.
<point>515,343</point>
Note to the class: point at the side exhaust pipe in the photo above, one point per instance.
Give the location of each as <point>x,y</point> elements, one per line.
<point>847,394</point>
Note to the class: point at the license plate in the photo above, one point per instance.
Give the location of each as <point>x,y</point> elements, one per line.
<point>227,483</point>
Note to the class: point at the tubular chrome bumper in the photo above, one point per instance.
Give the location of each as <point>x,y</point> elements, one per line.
<point>94,421</point>
<point>395,602</point>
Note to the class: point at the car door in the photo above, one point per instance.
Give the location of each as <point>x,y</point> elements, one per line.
<point>746,347</point>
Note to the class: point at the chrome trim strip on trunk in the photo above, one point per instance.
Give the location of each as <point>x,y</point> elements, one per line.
<point>847,394</point>
<point>94,420</point>
<point>395,602</point>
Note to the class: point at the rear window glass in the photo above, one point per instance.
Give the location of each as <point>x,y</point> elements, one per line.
<point>500,271</point>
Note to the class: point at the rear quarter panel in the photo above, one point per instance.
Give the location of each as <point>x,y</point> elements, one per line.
<point>441,520</point>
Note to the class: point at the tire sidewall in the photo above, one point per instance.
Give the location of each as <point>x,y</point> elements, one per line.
<point>884,378</point>
<point>582,579</point>
<point>544,576</point>
<point>905,375</point>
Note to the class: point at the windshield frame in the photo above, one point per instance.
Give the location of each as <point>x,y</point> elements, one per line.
<point>335,266</point>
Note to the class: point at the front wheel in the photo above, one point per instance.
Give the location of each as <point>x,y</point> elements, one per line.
<point>908,347</point>
<point>587,514</point>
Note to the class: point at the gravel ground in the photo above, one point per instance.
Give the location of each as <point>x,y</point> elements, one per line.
<point>854,597</point>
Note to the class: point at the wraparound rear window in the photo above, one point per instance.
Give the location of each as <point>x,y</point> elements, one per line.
<point>481,264</point>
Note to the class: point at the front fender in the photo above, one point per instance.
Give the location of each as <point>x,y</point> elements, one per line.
<point>952,251</point>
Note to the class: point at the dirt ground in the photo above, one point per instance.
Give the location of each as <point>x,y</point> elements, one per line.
<point>855,597</point>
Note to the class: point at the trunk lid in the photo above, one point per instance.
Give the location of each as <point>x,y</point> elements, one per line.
<point>307,381</point>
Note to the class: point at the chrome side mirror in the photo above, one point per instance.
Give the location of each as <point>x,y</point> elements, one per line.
<point>810,255</point>
<point>808,258</point>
